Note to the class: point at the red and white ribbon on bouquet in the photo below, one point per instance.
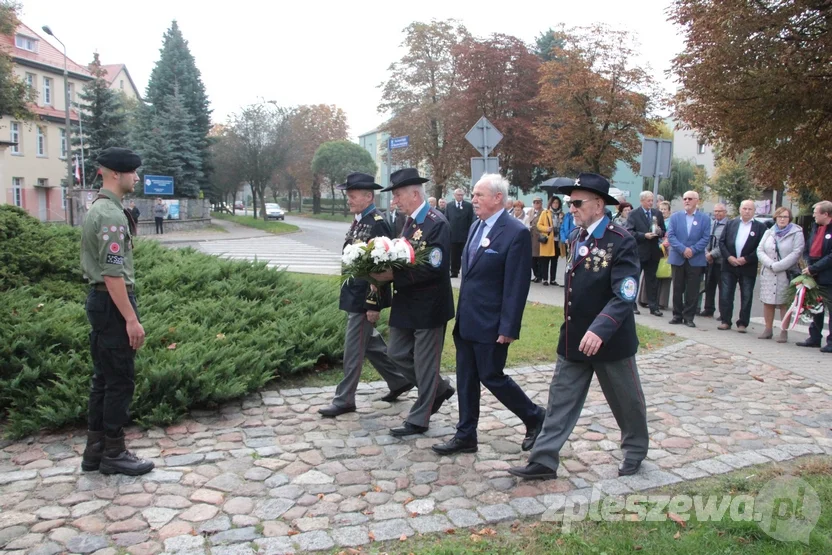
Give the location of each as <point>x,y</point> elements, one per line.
<point>789,323</point>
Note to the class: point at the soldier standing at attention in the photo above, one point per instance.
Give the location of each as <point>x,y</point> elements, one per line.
<point>363,305</point>
<point>598,335</point>
<point>107,262</point>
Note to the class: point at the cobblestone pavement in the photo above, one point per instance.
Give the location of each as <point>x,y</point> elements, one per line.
<point>268,475</point>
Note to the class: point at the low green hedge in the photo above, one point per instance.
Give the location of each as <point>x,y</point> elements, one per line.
<point>216,329</point>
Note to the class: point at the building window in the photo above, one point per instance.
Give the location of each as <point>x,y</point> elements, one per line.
<point>41,148</point>
<point>30,81</point>
<point>26,43</point>
<point>63,143</point>
<point>17,191</point>
<point>121,84</point>
<point>15,138</point>
<point>47,90</point>
<point>71,87</point>
<point>63,194</point>
<point>700,147</point>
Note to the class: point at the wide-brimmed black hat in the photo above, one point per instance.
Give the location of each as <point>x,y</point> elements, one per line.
<point>121,160</point>
<point>405,177</point>
<point>359,181</point>
<point>593,183</point>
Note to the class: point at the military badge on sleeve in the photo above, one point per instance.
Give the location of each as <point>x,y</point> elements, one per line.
<point>435,257</point>
<point>629,288</point>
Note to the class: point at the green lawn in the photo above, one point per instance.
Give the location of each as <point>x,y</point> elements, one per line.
<point>537,343</point>
<point>250,221</point>
<point>666,537</point>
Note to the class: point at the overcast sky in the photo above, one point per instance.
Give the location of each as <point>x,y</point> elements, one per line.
<point>311,52</point>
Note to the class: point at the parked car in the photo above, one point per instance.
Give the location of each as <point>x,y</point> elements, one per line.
<point>274,211</point>
<point>765,219</point>
<point>238,205</point>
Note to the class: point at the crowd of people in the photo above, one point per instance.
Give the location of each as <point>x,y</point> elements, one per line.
<point>494,248</point>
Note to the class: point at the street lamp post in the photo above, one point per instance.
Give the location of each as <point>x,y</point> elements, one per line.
<point>70,180</point>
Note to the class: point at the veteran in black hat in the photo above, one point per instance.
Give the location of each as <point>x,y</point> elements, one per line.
<point>422,301</point>
<point>598,335</point>
<point>363,305</point>
<point>117,333</point>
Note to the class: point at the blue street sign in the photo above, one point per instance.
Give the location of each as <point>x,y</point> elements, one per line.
<point>158,185</point>
<point>399,142</point>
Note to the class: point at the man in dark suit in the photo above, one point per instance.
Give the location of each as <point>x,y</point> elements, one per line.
<point>423,302</point>
<point>818,256</point>
<point>496,263</point>
<point>598,335</point>
<point>738,245</point>
<point>647,226</point>
<point>363,305</point>
<point>395,219</point>
<point>688,233</point>
<point>460,215</point>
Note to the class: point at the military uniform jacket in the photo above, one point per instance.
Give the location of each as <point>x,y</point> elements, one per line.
<point>106,241</point>
<point>601,287</point>
<point>356,295</point>
<point>422,296</point>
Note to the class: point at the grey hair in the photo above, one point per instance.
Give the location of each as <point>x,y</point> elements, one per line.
<point>421,190</point>
<point>645,194</point>
<point>496,183</point>
<point>459,190</point>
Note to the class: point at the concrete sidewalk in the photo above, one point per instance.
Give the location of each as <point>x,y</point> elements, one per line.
<point>232,231</point>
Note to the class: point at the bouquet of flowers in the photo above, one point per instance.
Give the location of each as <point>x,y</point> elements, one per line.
<point>805,298</point>
<point>380,254</point>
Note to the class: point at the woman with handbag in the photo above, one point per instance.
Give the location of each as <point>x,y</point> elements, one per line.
<point>779,252</point>
<point>548,227</point>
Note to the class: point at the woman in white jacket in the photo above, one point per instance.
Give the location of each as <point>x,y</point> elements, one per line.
<point>780,249</point>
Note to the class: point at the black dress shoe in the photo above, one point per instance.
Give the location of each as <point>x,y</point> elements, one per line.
<point>531,435</point>
<point>454,446</point>
<point>437,403</point>
<point>408,429</point>
<point>704,314</point>
<point>807,343</point>
<point>454,275</point>
<point>656,312</point>
<point>334,410</point>
<point>627,468</point>
<point>690,324</point>
<point>636,311</point>
<point>826,348</point>
<point>676,321</point>
<point>394,395</point>
<point>533,471</point>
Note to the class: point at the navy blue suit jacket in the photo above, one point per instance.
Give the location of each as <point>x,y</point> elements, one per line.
<point>494,288</point>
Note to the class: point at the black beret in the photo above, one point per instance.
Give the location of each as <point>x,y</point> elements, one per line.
<point>119,159</point>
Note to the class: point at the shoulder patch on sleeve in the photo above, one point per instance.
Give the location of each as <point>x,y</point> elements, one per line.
<point>629,289</point>
<point>431,214</point>
<point>435,257</point>
<point>115,259</point>
<point>378,217</point>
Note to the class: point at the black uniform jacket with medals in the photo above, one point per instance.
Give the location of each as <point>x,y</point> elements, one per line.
<point>422,296</point>
<point>601,287</point>
<point>356,295</point>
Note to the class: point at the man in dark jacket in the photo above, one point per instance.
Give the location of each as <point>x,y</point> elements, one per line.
<point>598,335</point>
<point>423,302</point>
<point>818,256</point>
<point>738,245</point>
<point>460,215</point>
<point>363,306</point>
<point>647,225</point>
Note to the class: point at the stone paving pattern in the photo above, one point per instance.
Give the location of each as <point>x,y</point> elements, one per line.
<point>268,475</point>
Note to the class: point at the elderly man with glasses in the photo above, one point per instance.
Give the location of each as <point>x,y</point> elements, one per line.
<point>688,233</point>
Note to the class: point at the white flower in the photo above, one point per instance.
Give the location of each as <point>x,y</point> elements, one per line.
<point>352,253</point>
<point>400,250</point>
<point>379,254</point>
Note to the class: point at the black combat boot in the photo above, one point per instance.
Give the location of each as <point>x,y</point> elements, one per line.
<point>93,452</point>
<point>118,460</point>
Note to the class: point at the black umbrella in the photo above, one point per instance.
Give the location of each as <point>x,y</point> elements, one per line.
<point>554,184</point>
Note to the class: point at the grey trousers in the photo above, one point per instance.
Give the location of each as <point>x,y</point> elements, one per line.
<point>363,340</point>
<point>418,354</point>
<point>567,394</point>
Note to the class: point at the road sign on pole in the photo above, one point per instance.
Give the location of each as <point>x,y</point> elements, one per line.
<point>399,142</point>
<point>480,166</point>
<point>484,136</point>
<point>656,156</point>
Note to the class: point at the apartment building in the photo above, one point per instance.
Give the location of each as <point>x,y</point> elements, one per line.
<point>33,168</point>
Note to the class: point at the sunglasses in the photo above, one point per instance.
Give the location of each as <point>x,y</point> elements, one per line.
<point>578,203</point>
<point>689,198</point>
